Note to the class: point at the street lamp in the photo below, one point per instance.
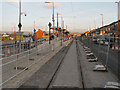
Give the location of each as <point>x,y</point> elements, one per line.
<point>53,15</point>
<point>20,13</point>
<point>49,31</point>
<point>61,25</point>
<point>20,25</point>
<point>95,23</point>
<point>118,18</point>
<point>53,21</point>
<point>102,19</point>
<point>102,22</point>
<point>61,20</point>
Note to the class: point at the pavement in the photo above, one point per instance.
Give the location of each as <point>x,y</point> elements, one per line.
<point>43,76</point>
<point>101,52</point>
<point>39,60</point>
<point>69,72</point>
<point>94,79</point>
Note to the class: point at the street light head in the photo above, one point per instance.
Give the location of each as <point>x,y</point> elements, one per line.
<point>101,14</point>
<point>47,2</point>
<point>116,2</point>
<point>22,13</point>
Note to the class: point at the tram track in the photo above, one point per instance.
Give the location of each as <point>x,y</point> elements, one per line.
<point>58,67</point>
<point>67,70</point>
<point>47,72</point>
<point>81,77</point>
<point>79,63</point>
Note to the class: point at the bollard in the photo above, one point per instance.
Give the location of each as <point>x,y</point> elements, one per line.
<point>21,47</point>
<point>116,47</point>
<point>28,57</point>
<point>27,45</point>
<point>8,50</point>
<point>119,48</point>
<point>16,64</point>
<point>113,47</point>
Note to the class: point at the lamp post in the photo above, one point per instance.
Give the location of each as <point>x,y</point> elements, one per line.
<point>49,31</point>
<point>20,25</point>
<point>95,23</point>
<point>53,18</point>
<point>102,19</point>
<point>63,30</point>
<point>61,26</point>
<point>118,20</point>
<point>57,20</point>
<point>102,22</point>
<point>20,13</point>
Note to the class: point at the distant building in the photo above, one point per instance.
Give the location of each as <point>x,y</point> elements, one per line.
<point>42,34</point>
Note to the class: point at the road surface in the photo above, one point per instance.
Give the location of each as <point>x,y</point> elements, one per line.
<point>69,68</point>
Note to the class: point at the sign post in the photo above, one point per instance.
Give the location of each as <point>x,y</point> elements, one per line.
<point>49,31</point>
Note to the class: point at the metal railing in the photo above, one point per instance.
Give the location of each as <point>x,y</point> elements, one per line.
<point>107,51</point>
<point>19,62</point>
<point>14,48</point>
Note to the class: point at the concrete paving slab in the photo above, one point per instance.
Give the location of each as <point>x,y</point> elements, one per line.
<point>94,79</point>
<point>22,77</point>
<point>43,76</point>
<point>68,74</point>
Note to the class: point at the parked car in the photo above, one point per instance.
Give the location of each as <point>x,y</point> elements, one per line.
<point>94,39</point>
<point>106,42</point>
<point>100,41</point>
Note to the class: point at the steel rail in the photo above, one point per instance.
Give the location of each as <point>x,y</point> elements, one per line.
<point>58,67</point>
<point>80,65</point>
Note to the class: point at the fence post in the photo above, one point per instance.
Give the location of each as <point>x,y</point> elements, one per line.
<point>107,53</point>
<point>99,46</point>
<point>16,64</point>
<point>28,57</point>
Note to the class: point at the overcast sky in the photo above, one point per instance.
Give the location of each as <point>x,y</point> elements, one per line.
<point>79,16</point>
